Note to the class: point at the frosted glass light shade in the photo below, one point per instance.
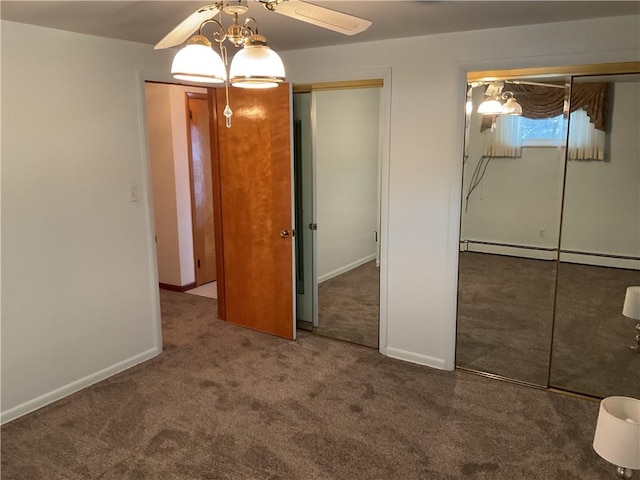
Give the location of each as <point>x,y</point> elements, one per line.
<point>617,437</point>
<point>512,107</point>
<point>256,66</point>
<point>631,307</point>
<point>198,62</point>
<point>490,107</point>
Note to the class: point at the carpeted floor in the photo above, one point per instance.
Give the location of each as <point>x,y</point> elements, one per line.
<point>505,319</point>
<point>348,306</point>
<point>505,311</point>
<point>223,402</point>
<point>591,343</point>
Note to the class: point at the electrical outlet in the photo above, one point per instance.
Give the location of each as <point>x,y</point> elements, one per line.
<point>541,233</point>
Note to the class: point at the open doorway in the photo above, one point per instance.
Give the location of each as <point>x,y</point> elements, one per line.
<point>181,174</point>
<point>250,166</point>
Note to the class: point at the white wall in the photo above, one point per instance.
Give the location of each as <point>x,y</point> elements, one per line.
<point>426,147</point>
<point>516,198</point>
<point>169,158</point>
<point>160,140</point>
<point>346,153</point>
<point>183,182</point>
<point>79,297</point>
<point>602,199</point>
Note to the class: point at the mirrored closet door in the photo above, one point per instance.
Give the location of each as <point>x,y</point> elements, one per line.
<point>337,171</point>
<point>512,194</point>
<point>600,245</point>
<point>550,230</point>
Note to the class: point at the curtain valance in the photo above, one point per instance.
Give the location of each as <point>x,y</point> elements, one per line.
<point>544,102</point>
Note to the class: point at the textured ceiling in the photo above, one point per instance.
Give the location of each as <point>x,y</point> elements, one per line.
<point>149,21</point>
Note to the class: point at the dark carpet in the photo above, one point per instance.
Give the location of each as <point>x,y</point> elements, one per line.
<point>505,323</point>
<point>505,313</point>
<point>591,342</point>
<point>223,402</point>
<point>349,304</point>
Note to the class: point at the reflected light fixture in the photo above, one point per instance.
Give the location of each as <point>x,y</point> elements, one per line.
<point>617,435</point>
<point>511,107</point>
<point>254,66</point>
<point>493,106</point>
<point>631,310</point>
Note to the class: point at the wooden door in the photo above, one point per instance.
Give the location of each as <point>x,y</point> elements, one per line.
<point>255,169</point>
<point>201,187</point>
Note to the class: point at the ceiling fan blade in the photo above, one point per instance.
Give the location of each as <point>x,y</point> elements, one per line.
<point>323,17</point>
<point>187,27</point>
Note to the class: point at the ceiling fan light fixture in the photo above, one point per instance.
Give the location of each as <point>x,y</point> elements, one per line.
<point>198,62</point>
<point>490,107</point>
<point>512,107</point>
<point>256,65</point>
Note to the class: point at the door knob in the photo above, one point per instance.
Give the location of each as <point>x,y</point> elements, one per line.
<point>284,233</point>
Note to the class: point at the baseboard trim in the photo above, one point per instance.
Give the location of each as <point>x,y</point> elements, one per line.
<point>510,250</point>
<point>66,390</point>
<point>177,288</point>
<point>346,268</point>
<point>543,253</point>
<point>420,359</point>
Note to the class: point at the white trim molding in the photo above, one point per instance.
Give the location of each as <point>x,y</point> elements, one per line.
<point>75,386</point>
<point>425,360</point>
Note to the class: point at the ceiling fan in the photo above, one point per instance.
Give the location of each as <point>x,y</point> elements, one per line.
<point>298,9</point>
<point>255,65</point>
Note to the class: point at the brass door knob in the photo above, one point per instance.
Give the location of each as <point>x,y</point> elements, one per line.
<point>284,233</point>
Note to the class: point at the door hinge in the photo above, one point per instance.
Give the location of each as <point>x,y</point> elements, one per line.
<point>313,226</point>
<point>190,115</point>
<point>198,263</point>
<point>293,233</point>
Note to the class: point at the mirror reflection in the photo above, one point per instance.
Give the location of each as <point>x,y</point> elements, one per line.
<point>600,246</point>
<point>549,275</point>
<point>512,191</point>
<point>338,211</point>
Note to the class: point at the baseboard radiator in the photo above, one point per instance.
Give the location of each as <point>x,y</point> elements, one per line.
<point>546,253</point>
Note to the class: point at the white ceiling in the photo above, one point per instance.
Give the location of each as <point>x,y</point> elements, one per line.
<point>149,21</point>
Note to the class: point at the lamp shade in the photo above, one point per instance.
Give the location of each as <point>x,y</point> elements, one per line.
<point>198,62</point>
<point>617,437</point>
<point>490,107</point>
<point>256,65</point>
<point>512,107</point>
<point>631,307</point>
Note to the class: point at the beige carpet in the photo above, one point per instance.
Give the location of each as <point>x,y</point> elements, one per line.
<point>223,402</point>
<point>505,323</point>
<point>349,305</point>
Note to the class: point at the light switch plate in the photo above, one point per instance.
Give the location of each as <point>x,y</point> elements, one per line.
<point>133,193</point>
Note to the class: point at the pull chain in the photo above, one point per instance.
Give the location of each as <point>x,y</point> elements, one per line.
<point>227,109</point>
